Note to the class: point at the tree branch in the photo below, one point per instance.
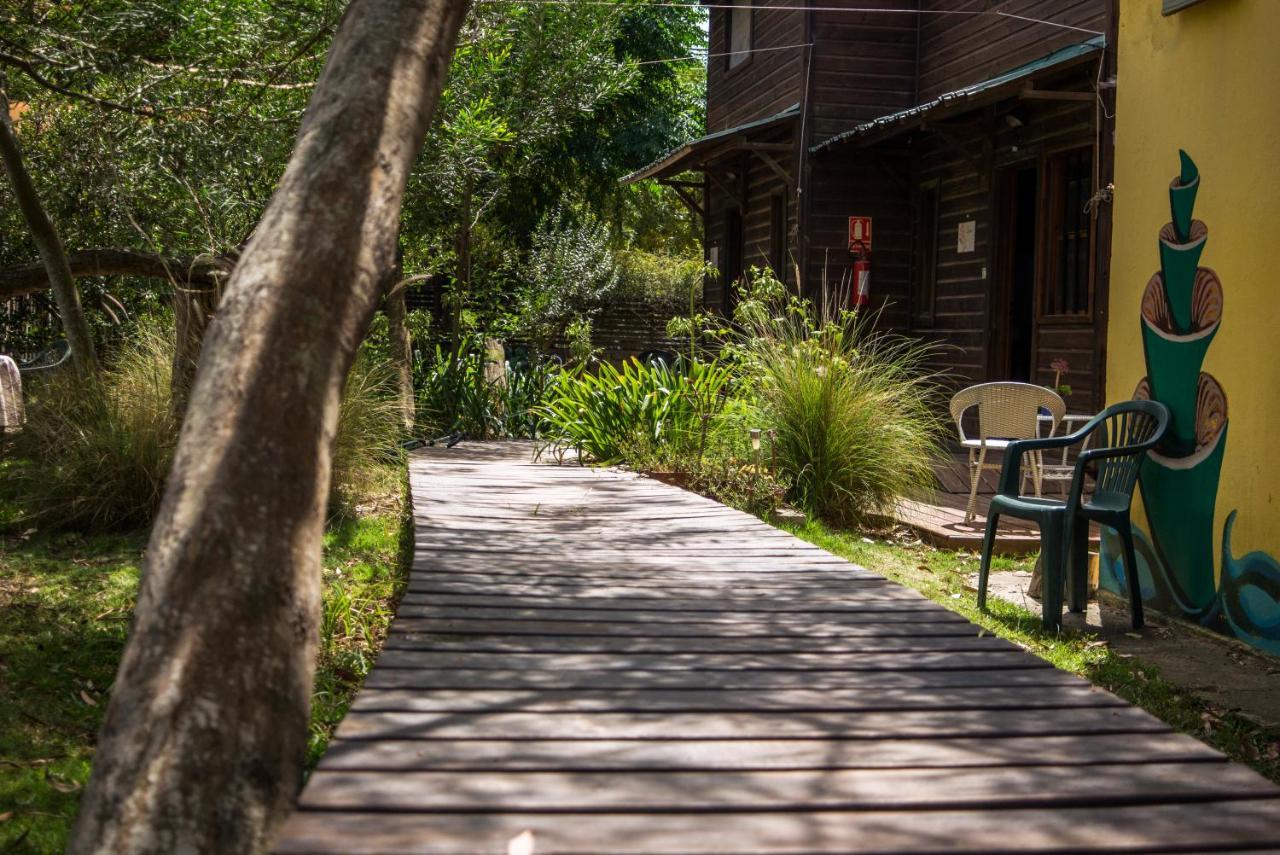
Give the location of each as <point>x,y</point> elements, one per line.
<point>36,77</point>
<point>200,271</point>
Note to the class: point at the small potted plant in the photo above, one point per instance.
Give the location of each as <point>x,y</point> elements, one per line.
<point>1061,368</point>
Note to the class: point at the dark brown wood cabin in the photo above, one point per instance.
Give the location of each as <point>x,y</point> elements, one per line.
<point>980,144</point>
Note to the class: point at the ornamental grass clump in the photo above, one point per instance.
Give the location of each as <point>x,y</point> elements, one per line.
<point>96,451</point>
<point>856,412</point>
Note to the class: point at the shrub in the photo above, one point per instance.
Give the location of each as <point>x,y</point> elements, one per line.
<point>615,413</point>
<point>855,411</point>
<point>95,453</point>
<point>569,272</point>
<point>456,395</point>
<point>659,279</point>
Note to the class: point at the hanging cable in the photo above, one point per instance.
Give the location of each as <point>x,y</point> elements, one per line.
<point>670,4</point>
<point>706,56</point>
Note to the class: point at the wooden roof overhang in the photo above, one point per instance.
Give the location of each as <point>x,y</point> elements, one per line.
<point>716,154</point>
<point>1018,82</point>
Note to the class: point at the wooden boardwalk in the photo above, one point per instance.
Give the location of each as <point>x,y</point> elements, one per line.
<point>589,662</point>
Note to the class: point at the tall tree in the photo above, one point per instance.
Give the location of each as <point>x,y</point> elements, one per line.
<point>49,244</point>
<point>205,733</point>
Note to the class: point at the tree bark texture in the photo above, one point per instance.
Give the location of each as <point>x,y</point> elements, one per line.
<point>397,311</point>
<point>49,244</point>
<point>206,730</point>
<point>200,271</point>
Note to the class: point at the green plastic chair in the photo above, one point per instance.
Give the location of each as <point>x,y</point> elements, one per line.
<point>1121,436</point>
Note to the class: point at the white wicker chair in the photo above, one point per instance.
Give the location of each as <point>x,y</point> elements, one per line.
<point>12,414</point>
<point>1006,411</point>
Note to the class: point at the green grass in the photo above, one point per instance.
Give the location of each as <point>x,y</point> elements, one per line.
<point>943,576</point>
<point>65,606</point>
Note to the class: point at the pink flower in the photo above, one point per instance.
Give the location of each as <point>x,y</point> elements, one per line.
<point>1060,365</point>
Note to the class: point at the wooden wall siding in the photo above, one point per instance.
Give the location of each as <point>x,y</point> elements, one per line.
<point>768,83</point>
<point>956,51</point>
<point>761,184</point>
<point>864,65</point>
<point>862,183</point>
<point>964,170</point>
<point>963,179</point>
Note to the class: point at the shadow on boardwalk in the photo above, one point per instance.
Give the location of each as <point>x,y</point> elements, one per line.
<point>615,665</point>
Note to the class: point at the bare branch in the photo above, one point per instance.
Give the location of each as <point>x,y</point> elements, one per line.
<point>203,271</point>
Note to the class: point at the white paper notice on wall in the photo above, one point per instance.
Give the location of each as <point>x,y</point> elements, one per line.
<point>966,236</point>
<point>715,256</point>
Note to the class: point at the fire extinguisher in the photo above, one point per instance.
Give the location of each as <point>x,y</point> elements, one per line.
<point>861,295</point>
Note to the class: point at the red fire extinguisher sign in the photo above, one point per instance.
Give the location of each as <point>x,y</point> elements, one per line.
<point>860,235</point>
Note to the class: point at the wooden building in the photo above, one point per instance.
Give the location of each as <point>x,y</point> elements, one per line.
<point>976,134</point>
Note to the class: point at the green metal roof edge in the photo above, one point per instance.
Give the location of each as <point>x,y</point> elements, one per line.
<point>1057,57</point>
<point>679,151</point>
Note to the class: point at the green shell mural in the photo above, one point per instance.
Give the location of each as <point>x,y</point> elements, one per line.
<point>1182,309</point>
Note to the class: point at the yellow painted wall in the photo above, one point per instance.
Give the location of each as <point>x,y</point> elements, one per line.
<point>1207,80</point>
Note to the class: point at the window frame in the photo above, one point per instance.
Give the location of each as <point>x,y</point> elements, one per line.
<point>1052,213</point>
<point>743,59</point>
<point>924,285</point>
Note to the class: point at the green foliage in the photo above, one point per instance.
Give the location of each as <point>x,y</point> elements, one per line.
<point>662,280</point>
<point>368,436</point>
<point>578,336</point>
<point>854,410</point>
<point>568,275</point>
<point>455,394</point>
<point>95,454</point>
<point>611,414</point>
<point>65,606</point>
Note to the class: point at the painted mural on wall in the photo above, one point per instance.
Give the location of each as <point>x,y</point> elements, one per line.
<point>1181,315</point>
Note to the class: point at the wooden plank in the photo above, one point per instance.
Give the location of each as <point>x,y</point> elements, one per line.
<point>654,699</point>
<point>728,617</point>
<point>482,642</point>
<point>778,724</point>
<point>804,790</point>
<point>584,587</point>
<point>622,606</point>
<point>431,679</point>
<point>1147,828</point>
<point>818,753</point>
<point>1008,658</point>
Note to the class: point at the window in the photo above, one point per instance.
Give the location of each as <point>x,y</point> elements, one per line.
<point>778,236</point>
<point>926,280</point>
<point>1068,271</point>
<point>739,33</point>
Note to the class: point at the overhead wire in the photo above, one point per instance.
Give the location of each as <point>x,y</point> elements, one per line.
<point>705,56</point>
<point>672,4</point>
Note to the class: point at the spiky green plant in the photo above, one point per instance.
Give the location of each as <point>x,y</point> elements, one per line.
<point>609,413</point>
<point>856,412</point>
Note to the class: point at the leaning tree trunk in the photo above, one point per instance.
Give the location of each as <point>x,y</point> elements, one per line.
<point>49,244</point>
<point>205,734</point>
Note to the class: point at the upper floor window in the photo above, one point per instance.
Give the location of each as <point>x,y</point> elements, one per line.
<point>739,33</point>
